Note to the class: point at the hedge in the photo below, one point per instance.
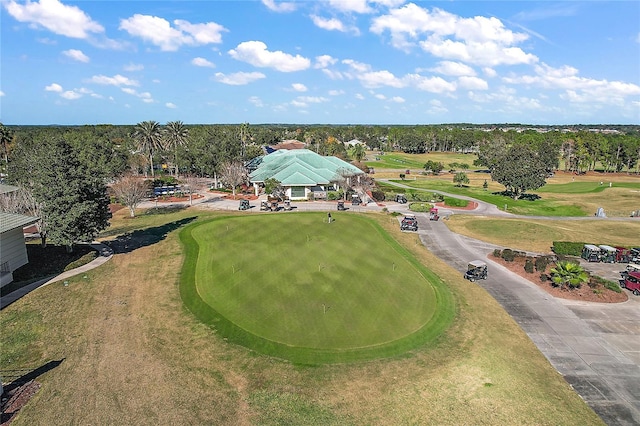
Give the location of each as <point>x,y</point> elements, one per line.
<point>568,248</point>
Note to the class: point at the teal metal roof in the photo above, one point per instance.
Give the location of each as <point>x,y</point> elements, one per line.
<point>301,167</point>
<point>10,221</point>
<point>5,189</point>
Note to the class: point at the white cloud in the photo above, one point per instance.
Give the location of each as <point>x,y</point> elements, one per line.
<point>116,80</point>
<point>477,40</point>
<point>379,96</point>
<point>170,105</point>
<point>357,6</point>
<point>398,99</point>
<point>71,95</point>
<point>489,72</point>
<point>76,55</point>
<point>239,78</point>
<point>202,62</point>
<point>256,101</point>
<point>577,89</point>
<point>1,93</point>
<point>158,31</point>
<point>53,87</point>
<point>453,69</point>
<point>508,99</point>
<point>299,87</point>
<point>256,54</point>
<point>312,99</point>
<point>472,83</point>
<point>131,67</point>
<point>336,92</point>
<point>431,84</point>
<point>329,24</point>
<point>380,78</point>
<point>360,96</point>
<point>69,21</point>
<point>144,96</point>
<point>324,61</point>
<point>281,7</point>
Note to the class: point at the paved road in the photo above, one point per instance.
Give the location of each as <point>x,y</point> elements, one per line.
<point>595,346</point>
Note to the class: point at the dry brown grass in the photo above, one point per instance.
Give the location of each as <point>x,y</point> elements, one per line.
<point>134,355</point>
<point>539,235</point>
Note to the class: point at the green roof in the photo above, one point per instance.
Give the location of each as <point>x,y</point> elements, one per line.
<point>10,221</point>
<point>301,167</point>
<point>5,189</point>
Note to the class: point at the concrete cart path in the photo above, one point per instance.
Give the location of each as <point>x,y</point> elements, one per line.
<point>595,346</point>
<point>104,254</point>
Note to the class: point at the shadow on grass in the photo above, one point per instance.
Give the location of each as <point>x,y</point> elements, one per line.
<point>20,376</point>
<point>131,241</point>
<point>525,196</point>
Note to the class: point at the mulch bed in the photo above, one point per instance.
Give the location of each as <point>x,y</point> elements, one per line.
<point>178,199</point>
<point>15,398</point>
<point>585,293</point>
<point>471,206</point>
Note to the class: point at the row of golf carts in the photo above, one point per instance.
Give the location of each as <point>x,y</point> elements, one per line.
<point>607,254</point>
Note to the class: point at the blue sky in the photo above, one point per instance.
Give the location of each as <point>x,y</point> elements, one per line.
<point>333,62</point>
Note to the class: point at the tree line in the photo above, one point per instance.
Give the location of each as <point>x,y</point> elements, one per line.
<point>63,171</point>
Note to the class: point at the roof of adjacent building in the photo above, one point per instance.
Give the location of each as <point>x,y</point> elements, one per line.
<point>301,167</point>
<point>5,189</point>
<point>10,221</point>
<point>289,144</point>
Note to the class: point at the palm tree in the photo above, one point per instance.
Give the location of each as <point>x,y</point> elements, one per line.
<point>358,152</point>
<point>569,273</point>
<point>148,137</point>
<point>175,135</point>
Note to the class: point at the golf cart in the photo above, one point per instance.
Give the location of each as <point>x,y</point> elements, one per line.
<point>632,282</point>
<point>355,200</point>
<point>607,254</point>
<point>401,198</point>
<point>341,205</point>
<point>631,267</point>
<point>591,253</point>
<point>244,205</point>
<point>433,214</point>
<point>274,206</point>
<point>476,270</point>
<point>264,206</point>
<point>287,204</point>
<point>409,223</point>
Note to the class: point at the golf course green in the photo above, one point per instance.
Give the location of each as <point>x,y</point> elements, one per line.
<point>297,287</point>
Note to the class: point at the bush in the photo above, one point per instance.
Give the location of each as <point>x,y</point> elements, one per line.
<point>334,195</point>
<point>455,202</point>
<point>544,278</point>
<point>541,263</point>
<point>568,248</point>
<point>528,266</point>
<point>596,281</point>
<point>508,255</point>
<point>420,207</point>
<point>378,195</point>
<point>497,253</point>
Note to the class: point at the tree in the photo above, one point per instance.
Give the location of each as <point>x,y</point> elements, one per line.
<point>72,197</point>
<point>234,174</point>
<point>460,179</point>
<point>358,152</point>
<point>519,170</point>
<point>273,186</point>
<point>569,274</point>
<point>130,191</point>
<point>148,137</point>
<point>175,135</point>
<point>434,167</point>
<point>6,136</point>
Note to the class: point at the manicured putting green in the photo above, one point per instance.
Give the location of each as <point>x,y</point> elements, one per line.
<point>294,286</point>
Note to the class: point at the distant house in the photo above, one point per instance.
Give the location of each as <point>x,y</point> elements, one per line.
<point>303,173</point>
<point>289,144</point>
<point>13,251</point>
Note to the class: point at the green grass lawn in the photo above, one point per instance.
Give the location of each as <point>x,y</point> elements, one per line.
<point>297,287</point>
<point>400,160</point>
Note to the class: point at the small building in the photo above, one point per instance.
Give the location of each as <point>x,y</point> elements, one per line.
<point>303,173</point>
<point>13,251</point>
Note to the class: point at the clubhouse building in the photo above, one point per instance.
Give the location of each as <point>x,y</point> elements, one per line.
<point>303,174</point>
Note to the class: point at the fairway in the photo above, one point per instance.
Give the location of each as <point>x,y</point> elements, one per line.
<point>295,286</point>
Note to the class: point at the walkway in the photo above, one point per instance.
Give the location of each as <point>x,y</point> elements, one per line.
<point>104,254</point>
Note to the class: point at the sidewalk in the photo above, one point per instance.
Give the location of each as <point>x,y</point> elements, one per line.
<point>104,254</point>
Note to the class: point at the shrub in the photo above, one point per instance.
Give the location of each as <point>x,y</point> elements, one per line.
<point>508,255</point>
<point>378,195</point>
<point>497,253</point>
<point>610,285</point>
<point>568,248</point>
<point>419,207</point>
<point>334,195</point>
<point>541,263</point>
<point>544,278</point>
<point>528,266</point>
